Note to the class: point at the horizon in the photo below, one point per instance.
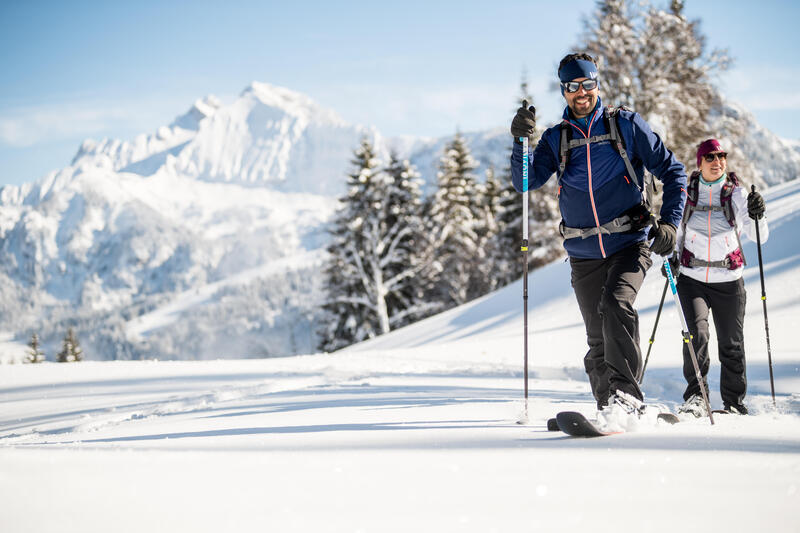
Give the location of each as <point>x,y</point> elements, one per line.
<point>95,71</point>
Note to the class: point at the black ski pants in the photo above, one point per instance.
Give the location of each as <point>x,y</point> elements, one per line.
<point>606,290</point>
<point>727,302</point>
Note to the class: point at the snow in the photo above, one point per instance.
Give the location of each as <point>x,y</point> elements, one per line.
<point>414,430</point>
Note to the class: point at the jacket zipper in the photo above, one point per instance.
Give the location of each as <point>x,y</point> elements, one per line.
<point>710,201</point>
<point>591,188</point>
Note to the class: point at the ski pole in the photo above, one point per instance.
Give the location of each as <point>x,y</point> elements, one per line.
<point>653,335</point>
<point>764,301</point>
<point>524,250</point>
<point>687,337</point>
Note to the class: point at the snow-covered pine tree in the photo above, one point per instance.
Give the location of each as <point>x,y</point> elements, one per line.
<point>490,195</point>
<point>653,61</point>
<point>34,354</point>
<point>374,253</point>
<point>410,265</point>
<point>347,319</point>
<point>71,351</point>
<point>506,248</point>
<point>613,38</point>
<point>453,226</point>
<point>677,92</point>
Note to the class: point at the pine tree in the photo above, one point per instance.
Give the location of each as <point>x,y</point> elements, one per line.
<point>34,355</point>
<point>410,268</point>
<point>677,91</point>
<point>453,226</point>
<point>71,351</point>
<point>375,253</point>
<point>654,62</point>
<point>487,278</point>
<point>613,38</point>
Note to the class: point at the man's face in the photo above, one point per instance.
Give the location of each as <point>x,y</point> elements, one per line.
<point>582,102</point>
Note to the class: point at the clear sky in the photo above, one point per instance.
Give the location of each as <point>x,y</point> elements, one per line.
<point>79,69</point>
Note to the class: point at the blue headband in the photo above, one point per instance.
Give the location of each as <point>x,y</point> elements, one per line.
<point>577,68</point>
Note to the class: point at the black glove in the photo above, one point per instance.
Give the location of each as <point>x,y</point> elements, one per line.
<point>674,266</point>
<point>524,122</point>
<point>663,237</point>
<point>755,205</point>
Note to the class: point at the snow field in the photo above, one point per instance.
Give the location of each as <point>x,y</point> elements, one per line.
<point>413,430</point>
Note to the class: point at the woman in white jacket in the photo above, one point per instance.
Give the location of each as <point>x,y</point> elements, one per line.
<point>718,211</point>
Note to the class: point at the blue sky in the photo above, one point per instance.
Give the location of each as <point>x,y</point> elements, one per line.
<point>76,70</point>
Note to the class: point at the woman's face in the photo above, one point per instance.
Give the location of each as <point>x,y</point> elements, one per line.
<point>714,169</point>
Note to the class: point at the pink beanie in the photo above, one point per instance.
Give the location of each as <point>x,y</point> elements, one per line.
<point>706,147</point>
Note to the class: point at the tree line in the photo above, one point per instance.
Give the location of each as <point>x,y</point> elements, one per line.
<point>397,257</point>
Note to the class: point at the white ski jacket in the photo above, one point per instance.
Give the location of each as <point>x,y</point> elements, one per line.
<point>710,237</point>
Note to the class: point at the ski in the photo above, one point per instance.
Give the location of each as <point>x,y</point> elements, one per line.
<point>669,418</point>
<point>577,425</point>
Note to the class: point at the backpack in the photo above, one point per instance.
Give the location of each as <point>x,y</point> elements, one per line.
<point>635,218</point>
<point>734,259</point>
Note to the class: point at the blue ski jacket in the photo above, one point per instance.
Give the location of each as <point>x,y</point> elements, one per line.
<point>595,188</point>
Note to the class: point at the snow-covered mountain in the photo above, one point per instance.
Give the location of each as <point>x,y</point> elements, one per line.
<point>208,233</point>
<point>227,202</point>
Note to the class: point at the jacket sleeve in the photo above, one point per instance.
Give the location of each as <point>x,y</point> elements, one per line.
<point>541,165</point>
<point>747,225</point>
<point>663,165</point>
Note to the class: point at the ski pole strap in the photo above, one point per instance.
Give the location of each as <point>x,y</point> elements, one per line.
<point>618,225</point>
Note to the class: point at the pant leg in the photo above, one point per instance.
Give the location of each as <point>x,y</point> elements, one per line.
<point>623,355</point>
<point>728,302</point>
<point>695,309</point>
<point>588,276</point>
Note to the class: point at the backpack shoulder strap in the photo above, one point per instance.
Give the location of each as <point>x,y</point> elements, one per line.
<point>611,118</point>
<point>692,189</point>
<point>692,192</point>
<point>726,201</point>
<point>725,198</point>
<point>564,148</point>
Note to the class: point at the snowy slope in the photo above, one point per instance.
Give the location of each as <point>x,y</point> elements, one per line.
<point>412,431</point>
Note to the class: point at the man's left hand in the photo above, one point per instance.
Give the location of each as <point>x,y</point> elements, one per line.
<point>663,238</point>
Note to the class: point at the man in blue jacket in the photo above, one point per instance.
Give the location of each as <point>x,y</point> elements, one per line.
<point>599,157</point>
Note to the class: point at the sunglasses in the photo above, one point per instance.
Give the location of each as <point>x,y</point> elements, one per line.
<point>573,86</point>
<point>711,157</point>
